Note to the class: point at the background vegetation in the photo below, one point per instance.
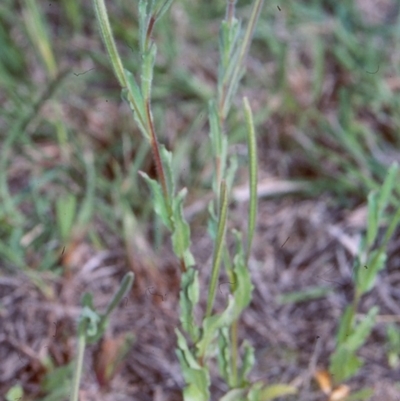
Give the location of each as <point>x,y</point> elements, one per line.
<point>323,81</point>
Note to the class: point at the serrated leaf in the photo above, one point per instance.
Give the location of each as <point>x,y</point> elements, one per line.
<point>181,234</point>
<point>186,354</point>
<point>247,363</point>
<point>213,323</point>
<point>243,285</point>
<point>166,159</point>
<point>188,299</point>
<point>224,355</point>
<point>196,377</point>
<point>89,321</point>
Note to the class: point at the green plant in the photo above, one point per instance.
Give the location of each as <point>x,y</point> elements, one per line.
<point>217,331</point>
<point>92,326</point>
<point>371,259</point>
<point>393,346</point>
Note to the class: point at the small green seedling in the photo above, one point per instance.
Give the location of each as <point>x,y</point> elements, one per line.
<point>92,326</point>
<point>371,259</point>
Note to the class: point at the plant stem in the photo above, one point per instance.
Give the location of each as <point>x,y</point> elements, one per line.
<point>79,365</point>
<point>156,154</point>
<point>219,246</point>
<point>234,341</point>
<point>253,168</point>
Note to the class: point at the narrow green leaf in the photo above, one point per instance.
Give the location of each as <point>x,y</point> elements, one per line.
<point>255,392</point>
<point>253,168</point>
<point>243,286</point>
<point>162,10</point>
<point>224,355</point>
<point>134,97</point>
<point>360,395</point>
<point>108,39</point>
<point>196,377</point>
<point>277,390</point>
<point>247,364</point>
<point>219,145</point>
<point>181,234</point>
<point>38,33</point>
<point>307,294</point>
<point>123,289</point>
<point>166,158</point>
<point>228,38</point>
<point>65,214</point>
<point>344,364</point>
<point>346,324</point>
<point>236,303</point>
<point>394,222</point>
<point>212,223</point>
<point>366,276</point>
<point>212,323</point>
<point>159,202</point>
<point>143,23</point>
<point>234,395</point>
<point>386,189</point>
<point>372,228</point>
<point>218,248</point>
<point>188,299</point>
<point>231,171</point>
<point>362,331</point>
<point>86,210</point>
<point>238,71</point>
<point>148,60</point>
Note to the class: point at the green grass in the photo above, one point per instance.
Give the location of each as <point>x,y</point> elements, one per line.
<point>325,111</point>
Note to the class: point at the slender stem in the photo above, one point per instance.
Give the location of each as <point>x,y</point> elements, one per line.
<point>230,11</point>
<point>183,265</point>
<point>149,30</point>
<point>252,151</point>
<point>79,365</point>
<point>234,342</point>
<point>218,248</point>
<point>156,152</point>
